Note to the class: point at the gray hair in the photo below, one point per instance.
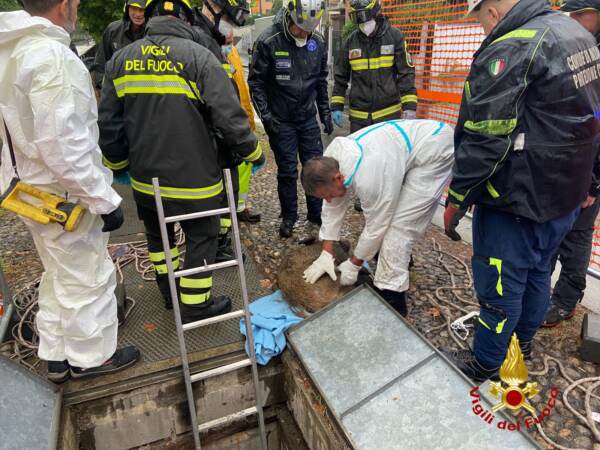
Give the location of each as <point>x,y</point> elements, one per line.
<point>319,172</point>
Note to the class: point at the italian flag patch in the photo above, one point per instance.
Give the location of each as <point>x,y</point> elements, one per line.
<point>497,66</point>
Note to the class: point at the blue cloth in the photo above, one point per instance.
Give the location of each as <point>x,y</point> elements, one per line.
<point>271,316</point>
<point>511,272</point>
<point>257,167</point>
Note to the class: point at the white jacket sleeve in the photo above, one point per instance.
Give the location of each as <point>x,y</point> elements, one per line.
<point>63,104</point>
<point>332,217</point>
<point>378,205</point>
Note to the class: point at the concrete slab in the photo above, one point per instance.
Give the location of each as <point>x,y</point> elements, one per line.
<point>591,298</point>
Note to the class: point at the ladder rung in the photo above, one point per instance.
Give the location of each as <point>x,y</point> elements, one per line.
<point>216,319</point>
<point>227,419</point>
<point>197,215</point>
<point>221,370</point>
<point>207,268</point>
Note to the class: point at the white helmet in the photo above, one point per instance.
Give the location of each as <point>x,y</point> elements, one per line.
<point>306,13</point>
<point>472,5</point>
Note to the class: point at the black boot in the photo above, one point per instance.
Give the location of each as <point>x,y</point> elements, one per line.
<point>556,315</point>
<point>58,371</point>
<point>357,205</point>
<point>467,363</point>
<point>286,229</point>
<point>225,249</point>
<point>526,349</point>
<point>121,359</point>
<point>247,216</point>
<point>396,300</point>
<point>214,306</point>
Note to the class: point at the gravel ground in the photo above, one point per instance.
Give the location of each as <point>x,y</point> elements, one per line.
<point>438,265</point>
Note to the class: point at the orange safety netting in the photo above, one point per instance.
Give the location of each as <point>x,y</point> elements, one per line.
<point>442,42</point>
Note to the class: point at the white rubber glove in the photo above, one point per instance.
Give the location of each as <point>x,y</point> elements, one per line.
<point>349,273</point>
<point>409,114</point>
<point>324,264</point>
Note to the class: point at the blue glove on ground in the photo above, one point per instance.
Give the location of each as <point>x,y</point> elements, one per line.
<point>258,165</point>
<point>337,118</point>
<point>122,178</point>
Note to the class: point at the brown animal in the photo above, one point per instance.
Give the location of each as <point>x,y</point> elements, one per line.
<point>303,296</point>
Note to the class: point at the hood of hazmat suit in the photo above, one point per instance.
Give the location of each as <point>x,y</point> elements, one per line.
<point>48,104</point>
<point>398,169</point>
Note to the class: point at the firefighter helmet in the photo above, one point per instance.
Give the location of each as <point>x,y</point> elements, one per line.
<point>306,14</point>
<point>177,8</point>
<point>237,10</point>
<point>362,11</point>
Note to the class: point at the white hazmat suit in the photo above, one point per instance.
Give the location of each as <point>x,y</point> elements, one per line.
<point>398,170</point>
<point>48,103</point>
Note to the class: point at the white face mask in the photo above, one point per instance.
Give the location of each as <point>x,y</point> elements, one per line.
<point>225,28</point>
<point>368,27</point>
<point>300,42</point>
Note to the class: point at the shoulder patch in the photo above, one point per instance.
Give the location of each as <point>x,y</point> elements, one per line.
<point>354,53</point>
<point>497,66</point>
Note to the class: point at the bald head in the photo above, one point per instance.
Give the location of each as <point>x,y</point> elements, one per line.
<point>490,12</point>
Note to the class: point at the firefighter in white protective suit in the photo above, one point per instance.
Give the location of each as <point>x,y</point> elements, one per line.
<point>398,170</point>
<point>48,128</point>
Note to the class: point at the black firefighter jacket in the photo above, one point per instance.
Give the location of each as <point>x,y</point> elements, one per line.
<point>152,123</point>
<point>382,74</point>
<point>524,142</point>
<point>286,80</point>
<point>117,35</point>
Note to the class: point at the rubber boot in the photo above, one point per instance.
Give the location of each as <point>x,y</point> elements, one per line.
<point>396,300</point>
<point>214,306</point>
<point>466,362</point>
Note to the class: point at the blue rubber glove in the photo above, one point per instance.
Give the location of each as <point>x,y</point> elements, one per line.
<point>258,165</point>
<point>122,178</point>
<point>337,118</point>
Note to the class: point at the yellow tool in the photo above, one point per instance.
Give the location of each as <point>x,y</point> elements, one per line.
<point>53,208</point>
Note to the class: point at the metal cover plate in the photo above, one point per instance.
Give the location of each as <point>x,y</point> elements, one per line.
<point>385,384</point>
<point>30,409</point>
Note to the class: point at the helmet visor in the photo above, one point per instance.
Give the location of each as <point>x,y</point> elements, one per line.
<point>238,15</point>
<point>362,15</point>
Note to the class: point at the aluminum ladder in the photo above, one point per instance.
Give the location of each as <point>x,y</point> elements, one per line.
<point>181,328</point>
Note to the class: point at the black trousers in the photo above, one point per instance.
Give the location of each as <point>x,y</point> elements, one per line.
<point>574,255</point>
<point>201,236</point>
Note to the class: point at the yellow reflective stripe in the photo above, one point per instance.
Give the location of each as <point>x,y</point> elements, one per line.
<point>227,68</point>
<point>517,34</point>
<point>194,299</point>
<point>456,195</point>
<point>493,192</point>
<point>484,324</point>
<point>497,263</point>
<point>372,63</point>
<point>155,84</point>
<point>375,114</point>
<point>500,326</point>
<point>115,166</point>
<point>337,99</point>
<point>183,193</point>
<point>225,222</point>
<point>498,127</point>
<point>282,54</point>
<point>162,269</point>
<point>156,256</point>
<point>386,111</point>
<point>468,90</point>
<point>409,99</point>
<point>358,114</point>
<point>196,283</point>
<point>256,154</point>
